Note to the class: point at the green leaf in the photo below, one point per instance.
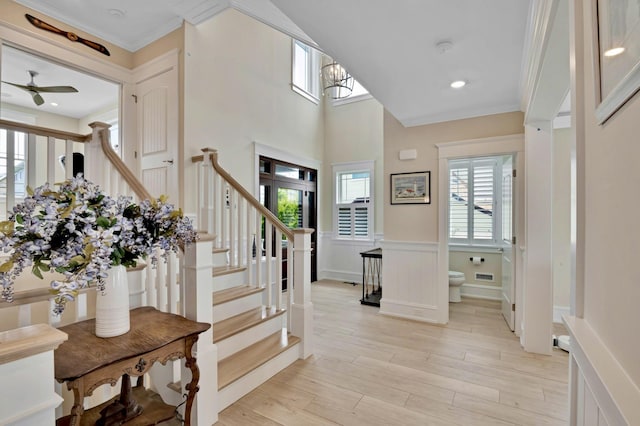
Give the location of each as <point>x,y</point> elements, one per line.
<point>6,266</point>
<point>36,271</point>
<point>19,219</point>
<point>103,222</point>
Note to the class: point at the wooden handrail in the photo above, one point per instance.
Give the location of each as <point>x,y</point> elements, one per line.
<point>117,162</point>
<point>43,131</point>
<point>27,297</point>
<point>213,156</point>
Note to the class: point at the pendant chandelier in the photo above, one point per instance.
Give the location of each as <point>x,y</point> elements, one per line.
<point>337,83</point>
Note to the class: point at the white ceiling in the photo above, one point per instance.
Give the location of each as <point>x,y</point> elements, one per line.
<point>389,46</point>
<point>93,95</point>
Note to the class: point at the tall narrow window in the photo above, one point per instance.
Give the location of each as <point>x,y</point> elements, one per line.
<point>473,196</point>
<point>305,70</point>
<point>353,209</point>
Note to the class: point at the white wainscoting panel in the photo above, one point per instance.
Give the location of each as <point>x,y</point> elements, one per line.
<point>340,260</point>
<point>600,390</point>
<point>481,291</point>
<point>410,281</point>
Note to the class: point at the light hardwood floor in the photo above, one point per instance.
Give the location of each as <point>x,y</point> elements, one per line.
<point>370,369</point>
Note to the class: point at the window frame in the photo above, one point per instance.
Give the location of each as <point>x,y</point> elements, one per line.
<point>312,60</point>
<point>496,219</point>
<point>367,166</point>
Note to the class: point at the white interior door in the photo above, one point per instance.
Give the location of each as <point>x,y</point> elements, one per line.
<point>508,264</point>
<point>157,111</point>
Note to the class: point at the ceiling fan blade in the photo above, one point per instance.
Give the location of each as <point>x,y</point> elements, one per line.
<point>37,98</point>
<point>56,89</point>
<point>19,86</point>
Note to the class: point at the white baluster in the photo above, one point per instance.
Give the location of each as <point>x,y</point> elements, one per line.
<point>278,244</point>
<point>68,159</point>
<point>258,280</point>
<point>240,228</point>
<point>218,210</point>
<point>231,199</point>
<point>11,171</point>
<point>81,306</point>
<point>172,283</point>
<point>290,254</point>
<point>51,160</point>
<point>31,161</point>
<point>24,315</point>
<point>268,245</point>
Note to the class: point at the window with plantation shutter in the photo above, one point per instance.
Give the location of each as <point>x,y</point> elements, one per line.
<point>353,208</point>
<point>473,195</point>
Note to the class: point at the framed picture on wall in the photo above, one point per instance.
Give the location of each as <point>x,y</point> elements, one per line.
<point>618,53</point>
<point>411,188</point>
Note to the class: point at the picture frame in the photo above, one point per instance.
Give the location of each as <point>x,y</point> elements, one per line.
<point>411,188</point>
<point>617,25</point>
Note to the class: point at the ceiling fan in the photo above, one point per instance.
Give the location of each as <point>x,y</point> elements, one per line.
<point>35,90</point>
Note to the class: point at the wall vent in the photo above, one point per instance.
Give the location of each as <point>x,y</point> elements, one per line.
<point>484,276</point>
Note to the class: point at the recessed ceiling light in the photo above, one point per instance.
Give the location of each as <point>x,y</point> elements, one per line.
<point>614,51</point>
<point>54,104</point>
<point>458,84</point>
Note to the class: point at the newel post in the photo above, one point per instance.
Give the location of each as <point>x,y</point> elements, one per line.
<point>302,308</point>
<point>197,291</point>
<point>94,166</point>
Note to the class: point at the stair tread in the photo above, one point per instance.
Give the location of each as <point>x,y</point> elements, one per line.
<point>233,293</point>
<point>239,364</point>
<point>226,269</point>
<point>243,321</point>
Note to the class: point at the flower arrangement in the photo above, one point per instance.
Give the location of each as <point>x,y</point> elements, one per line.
<point>80,232</point>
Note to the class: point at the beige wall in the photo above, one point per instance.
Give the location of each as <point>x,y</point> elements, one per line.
<point>561,219</point>
<point>611,206</point>
<point>173,40</point>
<point>459,261</point>
<point>13,13</point>
<point>420,222</point>
<point>237,91</point>
<point>353,132</point>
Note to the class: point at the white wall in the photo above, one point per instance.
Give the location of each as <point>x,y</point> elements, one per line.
<point>561,222</point>
<point>237,76</point>
<point>353,132</point>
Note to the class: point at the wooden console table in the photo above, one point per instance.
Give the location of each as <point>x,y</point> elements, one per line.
<point>86,362</point>
<point>371,274</point>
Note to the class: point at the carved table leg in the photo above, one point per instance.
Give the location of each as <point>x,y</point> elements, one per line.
<point>77,386</point>
<point>192,386</point>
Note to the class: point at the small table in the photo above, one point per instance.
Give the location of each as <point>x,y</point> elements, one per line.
<point>86,362</point>
<point>371,274</point>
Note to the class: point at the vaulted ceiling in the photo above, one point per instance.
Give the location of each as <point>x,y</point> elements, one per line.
<point>405,52</point>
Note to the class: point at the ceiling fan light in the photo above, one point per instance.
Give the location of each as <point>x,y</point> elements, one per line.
<point>336,81</point>
<point>458,84</point>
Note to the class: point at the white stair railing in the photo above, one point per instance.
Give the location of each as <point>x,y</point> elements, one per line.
<point>235,217</point>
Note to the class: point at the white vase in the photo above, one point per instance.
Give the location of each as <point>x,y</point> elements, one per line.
<point>112,305</point>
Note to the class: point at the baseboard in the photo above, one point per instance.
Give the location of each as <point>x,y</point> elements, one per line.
<point>412,311</point>
<point>481,291</point>
<point>346,276</point>
<point>559,311</point>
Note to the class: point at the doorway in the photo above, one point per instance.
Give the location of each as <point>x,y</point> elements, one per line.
<point>290,192</point>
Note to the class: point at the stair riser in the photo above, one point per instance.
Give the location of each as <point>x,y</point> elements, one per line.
<point>236,307</point>
<point>236,390</point>
<point>220,259</point>
<point>246,338</point>
<point>224,282</point>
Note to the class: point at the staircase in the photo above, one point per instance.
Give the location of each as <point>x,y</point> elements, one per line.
<point>258,328</point>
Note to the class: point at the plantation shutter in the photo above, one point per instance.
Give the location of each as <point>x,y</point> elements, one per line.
<point>483,198</point>
<point>344,221</point>
<point>361,221</point>
<point>458,208</point>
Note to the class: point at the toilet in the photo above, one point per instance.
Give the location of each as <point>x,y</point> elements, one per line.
<point>456,279</point>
